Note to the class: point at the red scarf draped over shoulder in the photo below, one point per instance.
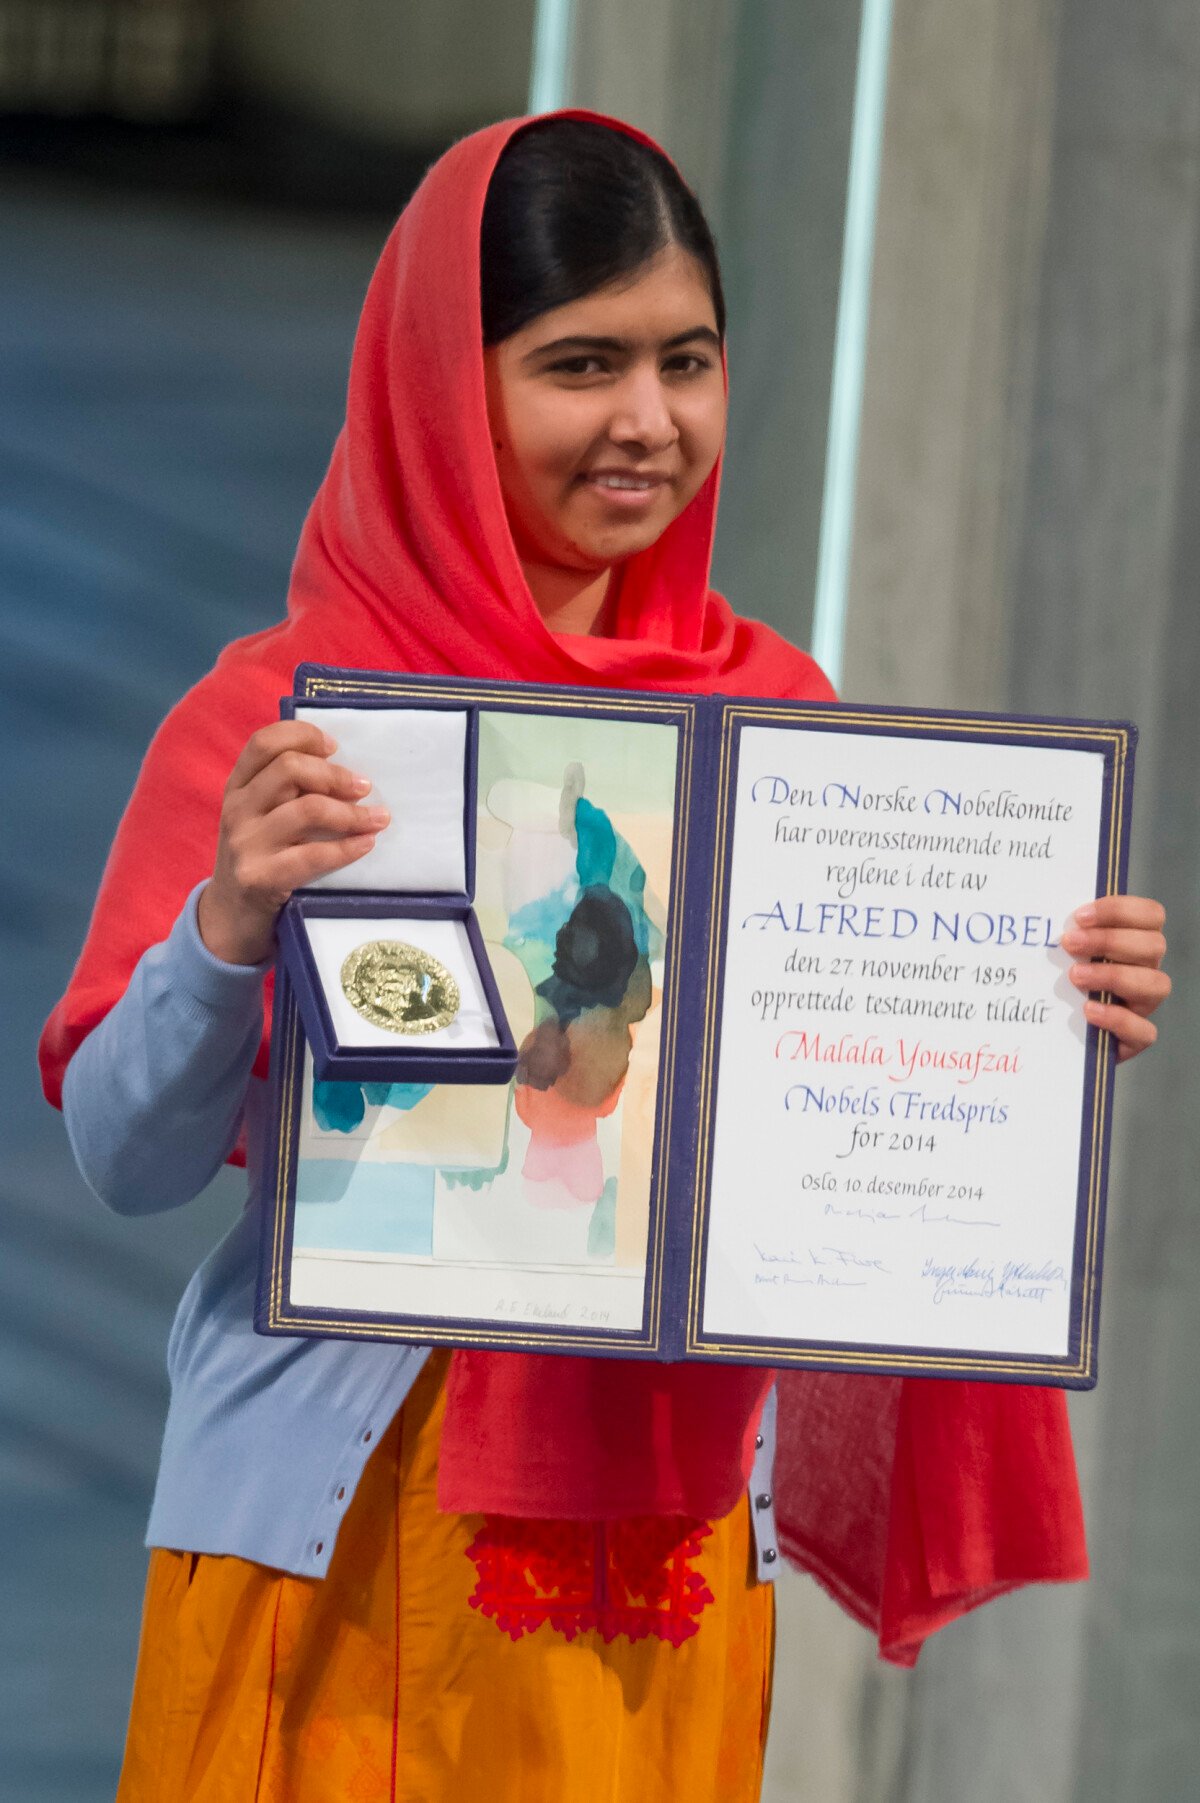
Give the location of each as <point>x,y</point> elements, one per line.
<point>901,1497</point>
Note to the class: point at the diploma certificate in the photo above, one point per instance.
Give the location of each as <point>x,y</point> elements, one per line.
<point>905,1110</point>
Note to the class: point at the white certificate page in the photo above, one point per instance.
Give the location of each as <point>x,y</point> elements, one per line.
<point>900,1081</point>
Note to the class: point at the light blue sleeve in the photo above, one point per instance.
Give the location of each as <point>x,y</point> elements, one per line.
<point>153,1097</point>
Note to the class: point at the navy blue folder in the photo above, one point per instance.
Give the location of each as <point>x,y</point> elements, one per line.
<point>708,733</point>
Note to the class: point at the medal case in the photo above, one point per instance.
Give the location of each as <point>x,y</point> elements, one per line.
<point>416,886</point>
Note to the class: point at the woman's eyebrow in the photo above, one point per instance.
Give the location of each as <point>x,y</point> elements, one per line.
<point>579,342</point>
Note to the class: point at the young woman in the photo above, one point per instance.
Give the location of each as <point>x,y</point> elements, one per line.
<point>381,1573</point>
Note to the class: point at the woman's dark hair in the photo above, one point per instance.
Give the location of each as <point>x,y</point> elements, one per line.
<point>573,206</point>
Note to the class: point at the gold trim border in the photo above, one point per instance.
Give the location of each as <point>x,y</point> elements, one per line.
<point>280,1316</point>
<point>1108,741</point>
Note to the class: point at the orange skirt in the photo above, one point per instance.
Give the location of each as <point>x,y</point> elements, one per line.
<point>443,1660</point>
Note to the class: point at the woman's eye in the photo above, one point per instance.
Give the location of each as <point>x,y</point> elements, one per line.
<point>577,366</point>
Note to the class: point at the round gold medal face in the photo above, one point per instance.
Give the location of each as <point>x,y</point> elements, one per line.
<point>399,987</point>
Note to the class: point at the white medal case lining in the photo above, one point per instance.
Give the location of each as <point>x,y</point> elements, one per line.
<point>416,760</point>
<point>332,939</point>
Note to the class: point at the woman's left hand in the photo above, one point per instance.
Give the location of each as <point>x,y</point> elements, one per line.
<point>1119,943</point>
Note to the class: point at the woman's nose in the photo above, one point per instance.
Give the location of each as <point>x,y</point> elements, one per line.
<point>643,413</point>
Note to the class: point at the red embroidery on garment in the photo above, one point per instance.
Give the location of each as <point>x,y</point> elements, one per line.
<point>634,1577</point>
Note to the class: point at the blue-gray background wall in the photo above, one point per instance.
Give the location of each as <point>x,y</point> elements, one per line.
<point>170,382</point>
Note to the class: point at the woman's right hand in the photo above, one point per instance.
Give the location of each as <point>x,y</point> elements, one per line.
<point>289,815</point>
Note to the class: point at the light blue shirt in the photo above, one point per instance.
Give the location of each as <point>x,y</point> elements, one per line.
<point>266,1436</point>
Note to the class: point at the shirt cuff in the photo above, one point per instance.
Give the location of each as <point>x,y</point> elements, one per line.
<point>207,978</point>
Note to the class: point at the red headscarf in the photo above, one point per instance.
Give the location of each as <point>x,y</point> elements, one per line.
<point>406,562</point>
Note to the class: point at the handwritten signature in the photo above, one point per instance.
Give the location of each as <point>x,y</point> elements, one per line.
<point>921,1214</point>
<point>1014,1281</point>
<point>830,1258</point>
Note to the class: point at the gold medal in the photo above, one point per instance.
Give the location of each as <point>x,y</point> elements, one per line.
<point>399,987</point>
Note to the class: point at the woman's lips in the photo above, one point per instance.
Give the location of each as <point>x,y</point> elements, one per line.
<point>624,490</point>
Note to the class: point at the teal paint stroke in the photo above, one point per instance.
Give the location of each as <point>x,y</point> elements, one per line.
<point>629,882</point>
<point>596,842</point>
<point>603,856</point>
<point>533,929</point>
<point>404,1096</point>
<point>602,1228</point>
<point>345,1206</point>
<point>480,1180</point>
<point>341,1107</point>
<point>338,1107</point>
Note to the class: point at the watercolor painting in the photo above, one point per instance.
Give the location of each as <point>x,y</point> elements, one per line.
<point>575,830</point>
